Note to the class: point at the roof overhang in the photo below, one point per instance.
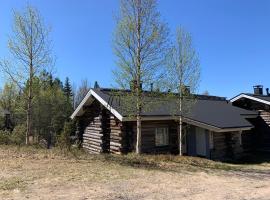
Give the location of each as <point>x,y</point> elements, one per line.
<point>191,122</point>
<point>88,99</point>
<point>249,97</point>
<point>80,111</point>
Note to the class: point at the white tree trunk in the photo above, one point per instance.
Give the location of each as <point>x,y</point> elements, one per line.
<point>180,119</point>
<point>180,128</point>
<point>29,105</point>
<point>180,136</point>
<point>139,134</point>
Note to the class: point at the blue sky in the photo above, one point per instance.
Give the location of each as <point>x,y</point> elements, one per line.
<point>232,38</point>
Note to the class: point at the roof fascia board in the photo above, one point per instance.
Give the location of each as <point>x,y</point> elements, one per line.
<point>214,128</point>
<point>88,95</point>
<point>250,116</point>
<point>102,101</point>
<point>249,97</point>
<point>190,121</point>
<point>105,104</point>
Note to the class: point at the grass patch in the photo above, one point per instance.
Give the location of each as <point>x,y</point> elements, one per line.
<point>13,183</point>
<point>150,162</point>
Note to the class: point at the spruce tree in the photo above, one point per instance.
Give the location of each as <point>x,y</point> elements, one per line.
<point>68,89</point>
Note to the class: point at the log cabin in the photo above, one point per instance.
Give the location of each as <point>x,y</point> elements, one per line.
<point>213,127</point>
<point>259,137</point>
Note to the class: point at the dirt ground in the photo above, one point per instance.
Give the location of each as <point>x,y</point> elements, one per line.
<point>28,175</point>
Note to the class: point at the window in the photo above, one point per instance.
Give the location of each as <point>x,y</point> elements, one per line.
<point>211,140</point>
<point>162,136</point>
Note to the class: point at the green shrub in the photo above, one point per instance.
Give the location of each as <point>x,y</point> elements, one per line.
<point>18,134</point>
<point>63,140</point>
<point>2,120</point>
<point>5,137</point>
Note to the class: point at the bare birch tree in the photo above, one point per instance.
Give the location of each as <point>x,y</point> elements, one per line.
<point>183,75</point>
<point>30,50</point>
<point>79,94</point>
<point>139,45</point>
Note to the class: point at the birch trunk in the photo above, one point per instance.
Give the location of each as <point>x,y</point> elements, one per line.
<point>180,125</point>
<point>138,80</point>
<point>140,44</point>
<point>139,135</point>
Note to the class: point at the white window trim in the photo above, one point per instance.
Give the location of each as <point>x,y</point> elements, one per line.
<point>166,132</point>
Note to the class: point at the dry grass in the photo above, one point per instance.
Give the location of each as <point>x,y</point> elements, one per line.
<point>34,173</point>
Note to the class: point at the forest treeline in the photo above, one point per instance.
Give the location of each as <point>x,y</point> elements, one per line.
<point>53,103</point>
<point>35,105</point>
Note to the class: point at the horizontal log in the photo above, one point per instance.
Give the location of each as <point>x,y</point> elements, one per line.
<point>98,148</point>
<point>116,152</point>
<point>116,133</point>
<point>93,149</point>
<point>113,137</point>
<point>94,137</point>
<point>115,149</point>
<point>93,128</point>
<point>96,133</point>
<point>97,142</point>
<point>115,144</point>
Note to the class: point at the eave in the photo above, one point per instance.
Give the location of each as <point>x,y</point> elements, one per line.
<point>88,99</point>
<point>249,97</point>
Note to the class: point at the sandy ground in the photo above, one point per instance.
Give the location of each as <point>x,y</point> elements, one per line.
<point>48,177</point>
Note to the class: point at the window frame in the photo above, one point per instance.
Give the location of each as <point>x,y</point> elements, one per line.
<point>166,139</point>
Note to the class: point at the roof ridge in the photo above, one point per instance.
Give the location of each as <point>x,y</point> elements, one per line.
<point>199,96</point>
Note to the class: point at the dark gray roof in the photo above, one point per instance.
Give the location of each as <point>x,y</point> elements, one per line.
<point>210,110</point>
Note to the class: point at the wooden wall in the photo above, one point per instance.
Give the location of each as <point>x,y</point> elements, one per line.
<point>95,127</point>
<point>148,137</point>
<point>103,133</point>
<point>264,130</point>
<point>226,145</point>
<point>260,138</point>
<point>120,136</point>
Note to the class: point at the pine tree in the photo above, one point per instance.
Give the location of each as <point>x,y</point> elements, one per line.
<point>68,89</point>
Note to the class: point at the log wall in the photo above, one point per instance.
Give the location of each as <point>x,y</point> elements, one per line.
<point>118,136</point>
<point>148,137</point>
<point>226,145</point>
<point>260,138</point>
<point>96,133</point>
<point>104,133</point>
<point>264,130</point>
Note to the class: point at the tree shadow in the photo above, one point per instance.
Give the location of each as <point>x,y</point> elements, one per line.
<point>254,157</point>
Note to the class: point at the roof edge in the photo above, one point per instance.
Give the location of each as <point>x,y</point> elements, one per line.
<point>242,95</point>
<point>192,122</point>
<point>87,96</point>
<point>101,100</point>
